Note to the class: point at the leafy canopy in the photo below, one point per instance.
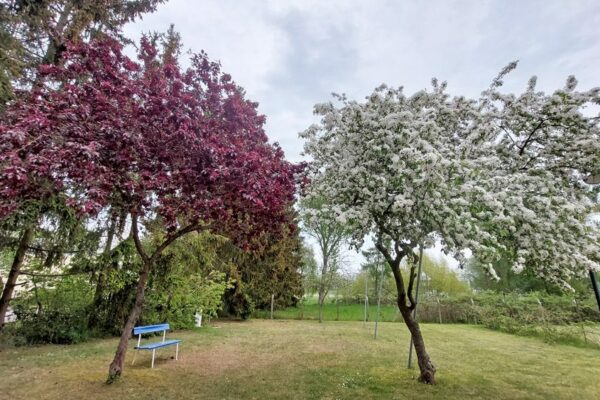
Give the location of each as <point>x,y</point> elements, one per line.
<point>145,137</point>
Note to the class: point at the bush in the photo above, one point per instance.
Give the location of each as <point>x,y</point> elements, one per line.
<point>531,308</point>
<point>238,303</point>
<point>55,315</point>
<point>53,326</point>
<point>10,337</point>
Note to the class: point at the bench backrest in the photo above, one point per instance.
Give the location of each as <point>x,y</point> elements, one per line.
<point>139,330</point>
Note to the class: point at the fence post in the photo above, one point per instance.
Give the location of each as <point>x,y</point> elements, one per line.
<point>544,320</point>
<point>580,322</point>
<point>272,301</point>
<point>473,309</point>
<point>366,298</point>
<point>378,300</point>
<point>439,309</point>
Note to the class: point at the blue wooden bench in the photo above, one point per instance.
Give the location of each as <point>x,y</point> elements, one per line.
<point>140,330</point>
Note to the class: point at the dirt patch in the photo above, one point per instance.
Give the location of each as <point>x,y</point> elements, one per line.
<point>220,359</point>
<point>243,353</point>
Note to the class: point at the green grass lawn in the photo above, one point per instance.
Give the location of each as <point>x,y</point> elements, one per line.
<point>582,335</point>
<point>285,359</point>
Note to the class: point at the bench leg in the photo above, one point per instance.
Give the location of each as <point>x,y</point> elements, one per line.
<point>153,352</point>
<point>176,352</point>
<point>134,354</point>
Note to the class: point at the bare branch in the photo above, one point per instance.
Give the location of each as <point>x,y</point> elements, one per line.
<point>35,274</point>
<point>522,148</point>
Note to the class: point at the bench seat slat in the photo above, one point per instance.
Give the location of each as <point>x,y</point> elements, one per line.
<point>156,345</point>
<point>150,328</point>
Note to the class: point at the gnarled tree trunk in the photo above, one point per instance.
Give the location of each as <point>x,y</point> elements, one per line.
<point>15,270</point>
<point>426,367</point>
<point>406,304</point>
<point>116,367</point>
<point>323,288</point>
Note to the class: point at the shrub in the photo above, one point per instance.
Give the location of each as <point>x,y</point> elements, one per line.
<point>55,315</point>
<point>53,326</point>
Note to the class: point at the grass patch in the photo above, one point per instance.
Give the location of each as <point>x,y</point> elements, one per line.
<point>582,334</point>
<point>280,359</point>
<point>333,312</point>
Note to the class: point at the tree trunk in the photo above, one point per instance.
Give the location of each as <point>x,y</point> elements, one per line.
<point>97,303</point>
<point>320,309</point>
<point>116,367</point>
<point>15,270</point>
<point>425,365</point>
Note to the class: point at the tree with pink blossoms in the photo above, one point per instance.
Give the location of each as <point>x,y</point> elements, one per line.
<point>179,148</point>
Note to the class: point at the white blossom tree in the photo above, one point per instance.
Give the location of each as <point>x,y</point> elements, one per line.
<point>501,175</point>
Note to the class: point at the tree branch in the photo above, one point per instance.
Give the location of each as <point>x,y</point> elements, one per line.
<point>399,281</point>
<point>411,282</point>
<point>522,148</point>
<point>136,238</point>
<point>29,273</point>
<point>383,250</point>
<point>173,237</point>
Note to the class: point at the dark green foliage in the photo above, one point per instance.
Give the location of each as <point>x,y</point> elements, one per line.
<point>53,326</point>
<point>236,301</point>
<point>11,53</point>
<point>274,272</point>
<point>309,270</point>
<point>55,314</point>
<point>275,269</point>
<point>114,274</point>
<point>33,33</point>
<point>112,311</point>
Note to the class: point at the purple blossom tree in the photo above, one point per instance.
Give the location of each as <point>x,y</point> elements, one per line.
<point>181,148</point>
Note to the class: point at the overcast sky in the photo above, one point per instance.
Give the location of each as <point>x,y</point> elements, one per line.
<point>289,55</point>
